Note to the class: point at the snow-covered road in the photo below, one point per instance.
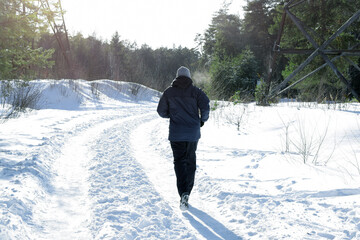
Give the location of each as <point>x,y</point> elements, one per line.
<point>105,171</point>
<point>77,174</point>
<point>99,190</point>
<point>69,208</point>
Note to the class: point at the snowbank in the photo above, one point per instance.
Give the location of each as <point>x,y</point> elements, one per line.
<point>76,94</point>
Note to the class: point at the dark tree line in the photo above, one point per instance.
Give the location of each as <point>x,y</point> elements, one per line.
<point>119,60</point>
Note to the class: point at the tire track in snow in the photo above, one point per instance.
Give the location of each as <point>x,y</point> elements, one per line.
<point>66,212</point>
<point>31,173</point>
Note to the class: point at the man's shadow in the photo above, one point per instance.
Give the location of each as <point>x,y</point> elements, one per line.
<point>207,226</point>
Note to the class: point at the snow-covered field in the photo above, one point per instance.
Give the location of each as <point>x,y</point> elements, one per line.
<point>94,163</point>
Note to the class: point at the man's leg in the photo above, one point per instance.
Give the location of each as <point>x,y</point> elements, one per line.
<point>190,165</point>
<point>184,165</point>
<point>179,153</point>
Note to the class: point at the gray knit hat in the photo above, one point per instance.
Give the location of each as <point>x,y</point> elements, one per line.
<point>183,71</point>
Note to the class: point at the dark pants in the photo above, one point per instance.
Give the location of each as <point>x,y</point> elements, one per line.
<point>185,165</point>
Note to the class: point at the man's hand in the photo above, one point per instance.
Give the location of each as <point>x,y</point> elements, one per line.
<point>201,123</point>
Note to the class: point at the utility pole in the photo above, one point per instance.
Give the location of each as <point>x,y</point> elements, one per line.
<point>318,50</point>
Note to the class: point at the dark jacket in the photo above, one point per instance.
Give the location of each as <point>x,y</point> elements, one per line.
<point>182,103</point>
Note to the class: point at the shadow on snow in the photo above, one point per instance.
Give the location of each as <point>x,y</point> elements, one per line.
<point>207,226</point>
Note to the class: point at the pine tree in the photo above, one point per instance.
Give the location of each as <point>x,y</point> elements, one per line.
<point>20,57</point>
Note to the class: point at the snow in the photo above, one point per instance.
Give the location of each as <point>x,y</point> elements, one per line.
<point>93,162</point>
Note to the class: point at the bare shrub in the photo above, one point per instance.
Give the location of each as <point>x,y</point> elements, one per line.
<point>95,89</point>
<point>307,142</point>
<point>287,125</point>
<point>354,160</point>
<point>20,96</point>
<point>74,85</point>
<point>5,90</point>
<point>134,88</point>
<point>229,113</point>
<point>217,113</point>
<point>236,115</point>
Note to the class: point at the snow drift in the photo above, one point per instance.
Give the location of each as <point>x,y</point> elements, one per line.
<point>70,94</point>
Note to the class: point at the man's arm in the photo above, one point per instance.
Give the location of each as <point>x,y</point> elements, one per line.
<point>203,103</point>
<point>163,107</point>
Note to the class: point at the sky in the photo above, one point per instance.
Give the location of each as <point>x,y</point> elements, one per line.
<point>157,23</point>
